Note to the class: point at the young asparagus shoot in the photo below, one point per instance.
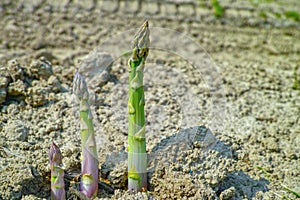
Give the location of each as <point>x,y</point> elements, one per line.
<point>137,155</point>
<point>89,166</point>
<point>57,174</point>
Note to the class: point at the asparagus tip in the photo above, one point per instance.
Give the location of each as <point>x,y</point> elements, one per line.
<point>141,42</point>
<point>80,86</point>
<point>146,24</point>
<point>55,154</point>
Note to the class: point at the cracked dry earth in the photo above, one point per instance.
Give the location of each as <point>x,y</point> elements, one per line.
<point>222,102</point>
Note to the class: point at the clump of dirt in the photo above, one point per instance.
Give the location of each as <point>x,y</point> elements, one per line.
<point>96,67</point>
<point>33,84</point>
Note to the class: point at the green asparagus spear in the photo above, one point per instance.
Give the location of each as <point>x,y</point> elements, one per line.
<point>89,167</point>
<point>137,156</point>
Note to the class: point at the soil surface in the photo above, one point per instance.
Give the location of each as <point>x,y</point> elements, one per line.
<point>222,96</point>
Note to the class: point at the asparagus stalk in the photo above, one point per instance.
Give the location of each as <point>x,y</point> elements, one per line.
<point>89,167</point>
<point>137,156</point>
<point>57,174</point>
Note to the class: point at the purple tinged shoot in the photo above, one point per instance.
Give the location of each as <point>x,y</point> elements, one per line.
<point>57,174</point>
<point>89,166</point>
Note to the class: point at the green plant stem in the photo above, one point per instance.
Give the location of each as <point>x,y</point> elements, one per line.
<point>137,155</point>
<point>217,8</point>
<point>296,81</point>
<point>291,191</point>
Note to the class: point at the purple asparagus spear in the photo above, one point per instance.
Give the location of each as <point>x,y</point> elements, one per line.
<point>89,167</point>
<point>57,174</point>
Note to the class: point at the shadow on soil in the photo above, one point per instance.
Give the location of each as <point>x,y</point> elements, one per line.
<point>201,138</point>
<point>243,184</point>
<point>170,149</point>
<point>39,185</point>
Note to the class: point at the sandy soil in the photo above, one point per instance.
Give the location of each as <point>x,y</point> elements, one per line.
<point>222,97</point>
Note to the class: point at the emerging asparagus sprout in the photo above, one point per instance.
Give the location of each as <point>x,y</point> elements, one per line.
<point>137,156</point>
<point>89,167</point>
<point>57,174</point>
